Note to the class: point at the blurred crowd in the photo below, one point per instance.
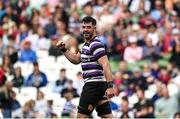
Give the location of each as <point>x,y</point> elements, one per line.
<point>132,31</point>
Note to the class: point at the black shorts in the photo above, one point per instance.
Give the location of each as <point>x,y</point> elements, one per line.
<point>92,93</point>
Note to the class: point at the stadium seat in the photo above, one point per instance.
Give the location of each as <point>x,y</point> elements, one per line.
<point>30,92</point>
<point>42,53</point>
<point>46,90</point>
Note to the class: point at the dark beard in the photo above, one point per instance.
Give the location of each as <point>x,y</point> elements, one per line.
<point>90,35</point>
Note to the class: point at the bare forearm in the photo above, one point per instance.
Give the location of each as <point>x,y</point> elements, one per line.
<point>104,62</point>
<point>107,72</point>
<point>72,57</point>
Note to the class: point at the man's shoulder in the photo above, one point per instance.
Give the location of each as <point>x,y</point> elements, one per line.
<point>96,39</point>
<point>95,42</point>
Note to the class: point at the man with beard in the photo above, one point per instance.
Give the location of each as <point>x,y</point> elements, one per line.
<point>96,72</point>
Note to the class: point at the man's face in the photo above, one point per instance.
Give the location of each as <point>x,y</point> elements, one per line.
<point>87,30</point>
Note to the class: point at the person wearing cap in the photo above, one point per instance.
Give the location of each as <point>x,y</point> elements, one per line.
<point>26,54</point>
<point>132,53</point>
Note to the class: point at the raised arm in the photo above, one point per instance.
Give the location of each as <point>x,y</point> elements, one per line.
<point>71,56</point>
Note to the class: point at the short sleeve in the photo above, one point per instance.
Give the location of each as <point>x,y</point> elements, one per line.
<point>97,49</point>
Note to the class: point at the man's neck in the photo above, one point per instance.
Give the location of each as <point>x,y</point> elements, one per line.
<point>87,41</point>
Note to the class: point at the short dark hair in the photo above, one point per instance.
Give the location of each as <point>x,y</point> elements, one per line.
<point>35,63</point>
<point>124,98</point>
<point>63,70</point>
<point>89,19</point>
<point>176,115</point>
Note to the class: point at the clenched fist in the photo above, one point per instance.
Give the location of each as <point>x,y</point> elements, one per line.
<point>60,44</point>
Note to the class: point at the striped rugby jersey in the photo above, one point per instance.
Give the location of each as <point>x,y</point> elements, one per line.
<point>90,53</point>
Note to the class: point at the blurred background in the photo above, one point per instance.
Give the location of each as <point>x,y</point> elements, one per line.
<point>142,40</point>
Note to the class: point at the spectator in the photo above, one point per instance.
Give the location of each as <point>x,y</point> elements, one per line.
<point>23,33</point>
<point>173,19</point>
<point>161,110</point>
<point>87,9</point>
<point>32,104</point>
<point>79,83</point>
<point>167,38</point>
<point>24,112</point>
<point>49,110</point>
<point>2,77</point>
<point>26,53</point>
<point>117,80</point>
<point>69,89</point>
<point>144,108</point>
<point>12,50</point>
<point>150,52</point>
<point>61,82</point>
<point>7,65</point>
<point>74,23</point>
<point>132,53</point>
<point>66,36</point>
<point>157,11</point>
<point>2,47</point>
<point>138,79</point>
<point>36,78</point>
<point>176,115</point>
<point>16,104</point>
<point>6,100</point>
<point>176,79</point>
<point>146,71</point>
<point>158,93</point>
<point>126,76</point>
<point>9,12</point>
<point>44,14</point>
<point>176,7</point>
<point>18,79</point>
<point>61,14</point>
<point>41,103</point>
<point>50,27</point>
<point>68,106</point>
<point>153,33</point>
<point>164,75</point>
<point>125,111</point>
<point>2,10</point>
<point>111,48</point>
<point>38,40</point>
<point>155,69</point>
<point>123,67</point>
<point>175,49</point>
